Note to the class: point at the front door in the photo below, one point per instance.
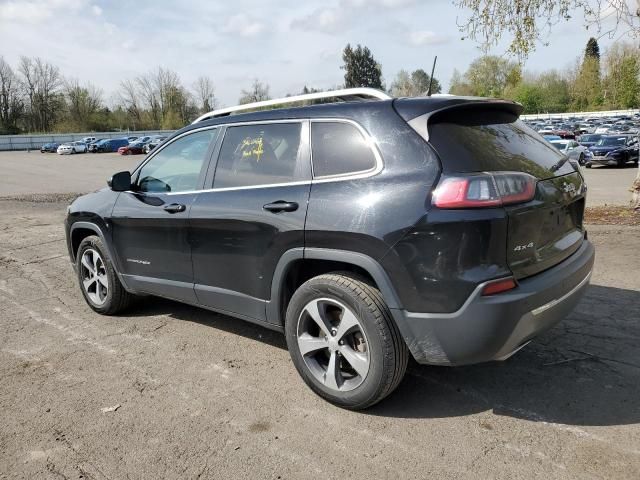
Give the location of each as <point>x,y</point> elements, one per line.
<point>151,222</point>
<point>254,212</point>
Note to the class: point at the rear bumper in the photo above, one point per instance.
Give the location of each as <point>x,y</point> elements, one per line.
<point>495,327</point>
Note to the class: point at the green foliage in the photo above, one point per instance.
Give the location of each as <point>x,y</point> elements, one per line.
<point>361,69</point>
<point>487,76</point>
<point>415,84</point>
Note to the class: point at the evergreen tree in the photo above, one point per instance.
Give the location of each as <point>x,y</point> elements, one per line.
<point>361,69</point>
<point>593,49</point>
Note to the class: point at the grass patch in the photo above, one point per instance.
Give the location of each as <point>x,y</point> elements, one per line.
<point>611,215</point>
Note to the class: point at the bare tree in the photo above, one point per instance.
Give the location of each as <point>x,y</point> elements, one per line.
<point>205,94</point>
<point>529,21</point>
<point>82,102</point>
<point>41,81</point>
<point>258,92</point>
<point>130,100</point>
<point>11,105</point>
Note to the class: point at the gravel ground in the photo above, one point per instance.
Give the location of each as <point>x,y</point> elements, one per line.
<point>172,391</point>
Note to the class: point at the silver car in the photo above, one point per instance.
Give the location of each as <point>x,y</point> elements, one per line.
<point>572,149</point>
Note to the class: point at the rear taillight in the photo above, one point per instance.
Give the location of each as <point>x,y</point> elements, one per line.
<point>484,190</point>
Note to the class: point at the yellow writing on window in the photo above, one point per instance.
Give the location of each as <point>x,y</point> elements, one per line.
<point>252,146</point>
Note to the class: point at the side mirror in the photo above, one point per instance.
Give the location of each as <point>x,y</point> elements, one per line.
<point>120,182</point>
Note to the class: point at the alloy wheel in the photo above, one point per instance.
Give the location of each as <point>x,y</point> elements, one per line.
<point>94,276</point>
<point>333,344</point>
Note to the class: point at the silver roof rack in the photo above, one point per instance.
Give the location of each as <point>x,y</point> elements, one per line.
<point>345,94</point>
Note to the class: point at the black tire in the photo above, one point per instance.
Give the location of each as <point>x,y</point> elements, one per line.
<point>116,298</point>
<point>581,159</point>
<point>622,163</point>
<point>588,165</point>
<point>387,352</point>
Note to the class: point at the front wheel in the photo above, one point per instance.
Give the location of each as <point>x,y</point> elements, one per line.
<point>99,283</point>
<point>344,342</point>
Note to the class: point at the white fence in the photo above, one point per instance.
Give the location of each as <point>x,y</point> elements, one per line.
<point>34,142</point>
<point>548,116</point>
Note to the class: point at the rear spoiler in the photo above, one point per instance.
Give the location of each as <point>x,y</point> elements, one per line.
<point>420,112</point>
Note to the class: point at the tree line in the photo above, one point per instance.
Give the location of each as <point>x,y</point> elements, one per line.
<point>36,97</point>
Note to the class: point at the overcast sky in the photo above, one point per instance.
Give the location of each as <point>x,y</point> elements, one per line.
<point>287,43</point>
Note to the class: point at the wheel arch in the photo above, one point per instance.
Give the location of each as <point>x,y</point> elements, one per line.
<point>300,264</point>
<point>81,230</point>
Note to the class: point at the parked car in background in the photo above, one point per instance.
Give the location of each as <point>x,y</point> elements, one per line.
<point>50,147</point>
<point>572,149</point>
<point>153,144</point>
<point>132,149</point>
<point>589,140</point>
<point>72,147</point>
<point>616,150</point>
<point>550,138</point>
<point>131,139</point>
<point>113,144</point>
<point>88,140</point>
<point>93,146</point>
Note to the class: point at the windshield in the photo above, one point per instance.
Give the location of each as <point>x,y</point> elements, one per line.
<point>609,141</point>
<point>590,138</point>
<point>559,145</point>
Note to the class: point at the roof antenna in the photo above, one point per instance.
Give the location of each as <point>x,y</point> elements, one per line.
<point>433,69</point>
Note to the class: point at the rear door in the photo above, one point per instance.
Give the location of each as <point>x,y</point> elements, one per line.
<point>253,212</point>
<point>543,232</point>
<point>150,223</point>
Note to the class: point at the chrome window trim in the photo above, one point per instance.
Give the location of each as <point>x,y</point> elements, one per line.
<point>351,175</point>
<point>324,179</point>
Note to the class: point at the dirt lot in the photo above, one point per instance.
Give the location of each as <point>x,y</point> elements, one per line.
<point>202,395</point>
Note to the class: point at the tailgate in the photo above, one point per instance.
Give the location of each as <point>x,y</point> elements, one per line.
<point>547,230</point>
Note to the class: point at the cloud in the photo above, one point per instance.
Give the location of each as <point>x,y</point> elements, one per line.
<point>420,38</point>
<point>378,3</point>
<point>96,10</point>
<point>36,11</point>
<point>243,25</point>
<point>326,20</point>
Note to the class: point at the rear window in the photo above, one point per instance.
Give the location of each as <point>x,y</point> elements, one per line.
<point>339,149</point>
<point>480,145</point>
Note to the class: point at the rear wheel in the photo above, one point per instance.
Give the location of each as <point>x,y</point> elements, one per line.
<point>343,341</point>
<point>99,283</point>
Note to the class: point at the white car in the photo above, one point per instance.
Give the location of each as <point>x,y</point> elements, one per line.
<point>604,128</point>
<point>572,149</point>
<point>88,140</point>
<point>72,147</point>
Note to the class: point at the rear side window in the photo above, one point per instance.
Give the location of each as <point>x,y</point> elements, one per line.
<point>253,155</point>
<point>339,149</point>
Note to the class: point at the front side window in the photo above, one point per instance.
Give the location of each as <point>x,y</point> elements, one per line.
<point>339,149</point>
<point>177,167</point>
<point>253,155</point>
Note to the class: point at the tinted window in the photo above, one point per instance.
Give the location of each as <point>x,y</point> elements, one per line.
<point>338,149</point>
<point>259,155</point>
<point>471,147</point>
<point>176,167</point>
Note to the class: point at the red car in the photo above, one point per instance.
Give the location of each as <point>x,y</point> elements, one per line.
<point>131,149</point>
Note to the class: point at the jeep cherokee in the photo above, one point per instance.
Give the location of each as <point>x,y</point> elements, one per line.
<point>365,230</point>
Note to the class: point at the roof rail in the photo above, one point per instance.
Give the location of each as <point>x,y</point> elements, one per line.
<point>346,94</point>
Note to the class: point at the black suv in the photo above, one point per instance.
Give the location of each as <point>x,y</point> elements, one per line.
<point>368,230</point>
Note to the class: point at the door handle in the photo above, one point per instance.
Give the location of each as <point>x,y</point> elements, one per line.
<point>281,206</point>
<point>175,208</point>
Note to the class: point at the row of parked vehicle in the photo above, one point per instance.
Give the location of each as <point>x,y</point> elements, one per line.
<point>124,146</point>
<point>594,141</point>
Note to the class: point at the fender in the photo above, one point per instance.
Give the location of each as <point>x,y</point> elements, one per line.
<point>95,228</point>
<point>368,264</point>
